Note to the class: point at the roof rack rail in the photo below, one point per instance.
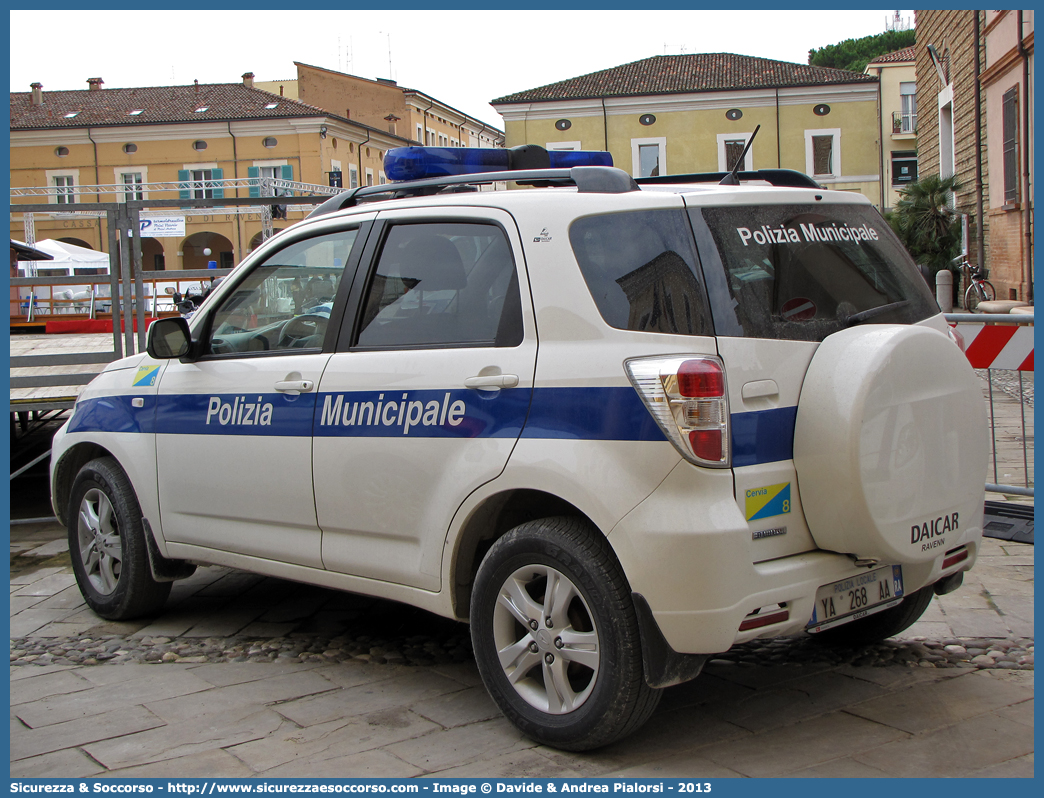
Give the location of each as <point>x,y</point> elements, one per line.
<point>789,178</point>
<point>587,179</point>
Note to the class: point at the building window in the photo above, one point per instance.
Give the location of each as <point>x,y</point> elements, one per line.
<point>199,145</point>
<point>730,145</point>
<point>420,133</point>
<point>904,168</point>
<point>269,142</point>
<point>64,193</point>
<point>1010,135</point>
<point>369,176</point>
<point>132,182</point>
<point>823,152</point>
<point>649,157</point>
<point>908,108</point>
<point>129,148</point>
<point>202,188</point>
<point>61,152</point>
<point>276,173</point>
<point>353,177</point>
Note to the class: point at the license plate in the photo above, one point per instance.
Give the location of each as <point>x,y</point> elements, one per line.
<point>856,597</point>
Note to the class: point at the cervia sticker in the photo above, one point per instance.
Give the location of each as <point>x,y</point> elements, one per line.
<point>146,376</point>
<point>768,501</point>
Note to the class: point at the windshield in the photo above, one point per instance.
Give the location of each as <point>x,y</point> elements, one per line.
<point>803,272</point>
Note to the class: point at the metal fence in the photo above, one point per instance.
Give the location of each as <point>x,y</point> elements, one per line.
<point>1001,347</point>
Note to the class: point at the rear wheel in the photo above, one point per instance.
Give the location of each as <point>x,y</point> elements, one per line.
<point>107,544</point>
<point>887,623</point>
<point>556,636</point>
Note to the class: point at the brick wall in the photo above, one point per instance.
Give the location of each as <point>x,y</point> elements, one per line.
<point>952,33</point>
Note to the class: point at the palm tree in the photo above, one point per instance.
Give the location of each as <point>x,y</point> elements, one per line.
<point>926,223</point>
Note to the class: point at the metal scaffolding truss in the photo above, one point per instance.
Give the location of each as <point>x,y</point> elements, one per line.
<point>269,187</point>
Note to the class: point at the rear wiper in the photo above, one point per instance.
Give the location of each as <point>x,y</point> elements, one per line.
<point>863,315</point>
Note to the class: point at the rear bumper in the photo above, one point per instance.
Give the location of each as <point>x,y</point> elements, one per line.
<point>692,563</point>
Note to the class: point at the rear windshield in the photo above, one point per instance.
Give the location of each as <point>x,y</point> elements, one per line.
<point>803,272</point>
<point>642,271</point>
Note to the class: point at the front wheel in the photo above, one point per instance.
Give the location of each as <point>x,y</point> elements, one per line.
<point>976,293</point>
<point>107,544</point>
<point>556,636</point>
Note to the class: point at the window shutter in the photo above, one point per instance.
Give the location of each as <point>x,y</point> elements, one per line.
<point>183,187</point>
<point>218,174</point>
<point>287,174</point>
<point>254,172</point>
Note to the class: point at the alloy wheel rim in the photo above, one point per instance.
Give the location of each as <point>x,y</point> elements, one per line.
<point>101,547</point>
<point>546,639</point>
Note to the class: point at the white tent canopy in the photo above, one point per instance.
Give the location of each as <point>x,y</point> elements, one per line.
<point>68,255</point>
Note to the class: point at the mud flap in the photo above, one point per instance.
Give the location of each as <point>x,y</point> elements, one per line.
<point>163,568</point>
<point>663,666</point>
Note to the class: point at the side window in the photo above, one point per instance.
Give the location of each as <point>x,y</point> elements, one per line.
<point>284,302</point>
<point>443,284</point>
<point>642,272</point>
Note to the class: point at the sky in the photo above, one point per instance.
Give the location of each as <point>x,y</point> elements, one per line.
<point>463,58</point>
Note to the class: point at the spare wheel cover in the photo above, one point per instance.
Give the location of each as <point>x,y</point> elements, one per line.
<point>891,436</point>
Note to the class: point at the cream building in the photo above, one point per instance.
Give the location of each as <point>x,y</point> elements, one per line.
<point>897,75</point>
<point>679,114</point>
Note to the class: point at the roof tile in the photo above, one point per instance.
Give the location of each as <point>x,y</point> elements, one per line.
<point>695,72</point>
<point>158,104</point>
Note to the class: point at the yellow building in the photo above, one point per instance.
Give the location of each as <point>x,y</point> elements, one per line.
<point>679,114</point>
<point>898,130</point>
<point>81,148</point>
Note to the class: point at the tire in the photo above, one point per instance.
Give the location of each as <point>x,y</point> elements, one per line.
<point>577,693</point>
<point>107,544</point>
<point>971,299</point>
<point>881,625</point>
<point>984,293</point>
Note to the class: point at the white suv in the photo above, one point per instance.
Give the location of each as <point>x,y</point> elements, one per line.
<point>616,427</point>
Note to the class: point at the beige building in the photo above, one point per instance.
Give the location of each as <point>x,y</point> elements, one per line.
<point>216,141</point>
<point>897,76</point>
<point>694,113</point>
<point>382,103</point>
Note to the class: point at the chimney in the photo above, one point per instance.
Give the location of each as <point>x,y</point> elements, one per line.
<point>95,84</point>
<point>248,79</point>
<point>37,93</point>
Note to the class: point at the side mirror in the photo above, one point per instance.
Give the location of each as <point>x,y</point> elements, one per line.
<point>169,338</point>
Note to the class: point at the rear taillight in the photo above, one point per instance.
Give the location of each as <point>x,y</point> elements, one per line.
<point>686,396</point>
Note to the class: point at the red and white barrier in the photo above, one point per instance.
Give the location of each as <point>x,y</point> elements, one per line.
<point>998,346</point>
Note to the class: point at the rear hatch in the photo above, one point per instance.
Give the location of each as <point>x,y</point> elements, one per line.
<point>818,447</point>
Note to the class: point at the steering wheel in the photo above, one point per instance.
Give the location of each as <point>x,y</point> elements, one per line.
<point>300,329</point>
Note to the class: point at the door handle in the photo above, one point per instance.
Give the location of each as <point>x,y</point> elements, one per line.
<point>492,382</point>
<point>294,387</point>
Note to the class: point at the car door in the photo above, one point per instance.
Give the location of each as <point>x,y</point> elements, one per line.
<point>234,425</point>
<point>427,392</point>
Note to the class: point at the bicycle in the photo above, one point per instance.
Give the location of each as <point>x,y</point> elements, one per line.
<point>979,288</point>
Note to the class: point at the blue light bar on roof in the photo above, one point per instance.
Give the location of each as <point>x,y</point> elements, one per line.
<point>417,163</point>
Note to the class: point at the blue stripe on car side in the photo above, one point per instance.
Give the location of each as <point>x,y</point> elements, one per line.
<point>609,414</point>
<point>765,436</point>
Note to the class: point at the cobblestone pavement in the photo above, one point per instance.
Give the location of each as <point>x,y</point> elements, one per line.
<point>244,675</point>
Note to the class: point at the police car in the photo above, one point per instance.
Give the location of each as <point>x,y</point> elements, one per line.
<point>618,426</point>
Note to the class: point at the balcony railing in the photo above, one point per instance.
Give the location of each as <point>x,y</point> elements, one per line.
<point>903,123</point>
